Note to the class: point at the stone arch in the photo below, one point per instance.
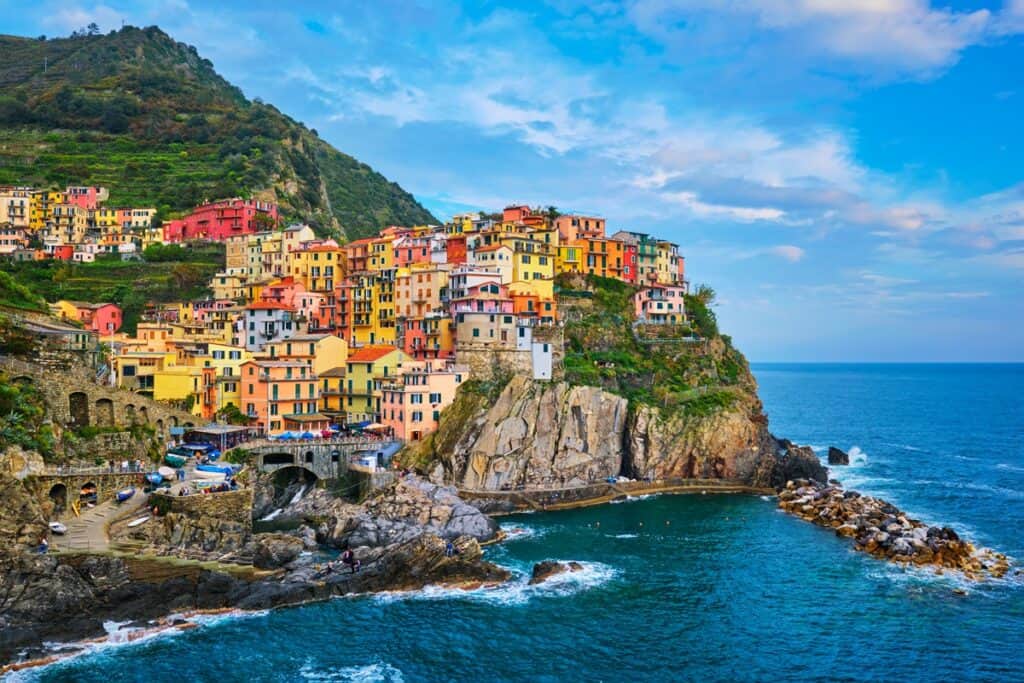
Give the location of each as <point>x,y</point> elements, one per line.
<point>160,427</point>
<point>23,379</point>
<point>104,412</point>
<point>143,413</point>
<point>295,473</point>
<point>173,421</point>
<point>279,459</point>
<point>188,425</point>
<point>58,495</point>
<point>129,413</point>
<point>78,408</point>
<point>308,457</point>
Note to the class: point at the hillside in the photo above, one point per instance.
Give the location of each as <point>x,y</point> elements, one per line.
<point>152,120</point>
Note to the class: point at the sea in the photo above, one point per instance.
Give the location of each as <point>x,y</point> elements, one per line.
<point>692,587</point>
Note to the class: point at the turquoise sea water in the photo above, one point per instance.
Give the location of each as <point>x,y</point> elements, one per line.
<point>718,588</point>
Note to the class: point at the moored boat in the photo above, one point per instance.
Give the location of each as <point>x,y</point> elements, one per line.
<point>58,528</point>
<point>154,478</point>
<point>175,460</point>
<point>167,473</point>
<point>223,470</point>
<point>125,494</point>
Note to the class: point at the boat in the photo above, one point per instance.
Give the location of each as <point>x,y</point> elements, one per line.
<point>175,460</point>
<point>137,522</point>
<point>167,473</point>
<point>58,528</point>
<point>154,478</point>
<point>125,494</point>
<point>206,474</point>
<point>221,469</point>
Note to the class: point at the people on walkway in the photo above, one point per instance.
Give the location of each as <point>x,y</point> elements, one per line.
<point>44,545</point>
<point>450,550</point>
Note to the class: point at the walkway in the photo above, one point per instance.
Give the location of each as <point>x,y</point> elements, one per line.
<point>89,531</point>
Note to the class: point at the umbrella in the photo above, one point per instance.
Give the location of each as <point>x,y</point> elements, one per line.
<point>375,427</point>
<point>308,435</point>
<point>286,436</point>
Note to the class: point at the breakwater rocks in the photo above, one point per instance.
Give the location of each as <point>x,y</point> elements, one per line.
<point>881,529</point>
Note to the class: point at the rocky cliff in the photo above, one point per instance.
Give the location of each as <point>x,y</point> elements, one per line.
<point>537,435</point>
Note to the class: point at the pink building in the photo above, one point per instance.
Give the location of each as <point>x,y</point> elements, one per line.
<point>660,305</point>
<point>410,250</point>
<point>103,319</point>
<point>86,197</point>
<point>572,227</point>
<point>217,221</point>
<point>411,404</point>
<point>283,292</point>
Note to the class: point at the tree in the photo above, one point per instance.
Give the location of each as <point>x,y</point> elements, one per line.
<point>705,294</point>
<point>92,29</point>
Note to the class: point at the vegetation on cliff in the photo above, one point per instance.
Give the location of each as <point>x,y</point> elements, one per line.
<point>23,418</point>
<point>149,118</point>
<point>691,369</point>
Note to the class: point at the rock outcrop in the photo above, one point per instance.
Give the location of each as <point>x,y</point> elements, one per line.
<point>542,571</point>
<point>837,456</point>
<point>537,435</point>
<point>882,530</point>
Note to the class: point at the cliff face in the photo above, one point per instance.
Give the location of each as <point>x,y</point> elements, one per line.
<point>543,435</point>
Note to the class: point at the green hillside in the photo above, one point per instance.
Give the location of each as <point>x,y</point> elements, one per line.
<point>152,120</point>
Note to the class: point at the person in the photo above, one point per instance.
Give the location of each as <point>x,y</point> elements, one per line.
<point>181,474</point>
<point>349,558</point>
<point>44,545</point>
<point>450,550</point>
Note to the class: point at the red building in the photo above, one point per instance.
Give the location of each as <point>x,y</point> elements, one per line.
<point>218,221</point>
<point>456,249</point>
<point>86,197</point>
<point>64,252</point>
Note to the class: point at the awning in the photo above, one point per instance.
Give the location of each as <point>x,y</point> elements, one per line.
<point>360,425</point>
<point>375,427</point>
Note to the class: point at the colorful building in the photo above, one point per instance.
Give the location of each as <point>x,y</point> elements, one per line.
<point>221,220</point>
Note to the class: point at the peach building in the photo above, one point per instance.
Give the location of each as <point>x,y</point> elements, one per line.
<point>412,402</point>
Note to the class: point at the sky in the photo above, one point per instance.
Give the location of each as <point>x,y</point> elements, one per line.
<point>846,174</point>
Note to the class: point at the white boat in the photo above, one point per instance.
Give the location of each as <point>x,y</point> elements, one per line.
<point>137,522</point>
<point>167,473</point>
<point>211,476</point>
<point>58,528</point>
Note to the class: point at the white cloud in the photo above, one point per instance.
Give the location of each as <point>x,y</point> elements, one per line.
<point>73,17</point>
<point>789,252</point>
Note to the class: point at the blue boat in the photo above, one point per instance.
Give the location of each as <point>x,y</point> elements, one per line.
<point>125,494</point>
<point>154,477</point>
<point>218,469</point>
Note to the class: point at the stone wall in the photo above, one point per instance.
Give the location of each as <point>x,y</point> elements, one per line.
<point>46,489</point>
<point>74,399</point>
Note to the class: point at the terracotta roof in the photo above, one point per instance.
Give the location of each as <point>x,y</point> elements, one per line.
<point>368,354</point>
<point>267,305</point>
<point>493,247</point>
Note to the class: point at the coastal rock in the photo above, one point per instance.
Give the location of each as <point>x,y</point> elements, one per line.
<point>275,550</point>
<point>837,456</point>
<point>542,571</point>
<point>880,529</point>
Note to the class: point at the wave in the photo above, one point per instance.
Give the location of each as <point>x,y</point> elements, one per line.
<point>633,499</point>
<point>516,591</point>
<point>377,672</point>
<point>857,457</point>
<point>1009,468</point>
<point>904,446</point>
<point>622,535</point>
<point>120,635</point>
<point>1013,494</point>
<point>271,515</point>
<point>517,532</point>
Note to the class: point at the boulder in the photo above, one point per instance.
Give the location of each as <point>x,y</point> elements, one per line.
<point>275,550</point>
<point>542,571</point>
<point>837,456</point>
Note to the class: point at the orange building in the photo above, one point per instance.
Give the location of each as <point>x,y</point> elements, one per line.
<point>280,396</point>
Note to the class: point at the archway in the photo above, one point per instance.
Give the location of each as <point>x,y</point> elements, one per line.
<point>159,426</point>
<point>173,421</point>
<point>104,412</point>
<point>279,459</point>
<point>22,379</point>
<point>308,458</point>
<point>129,414</point>
<point>78,408</point>
<point>143,413</point>
<point>58,495</point>
<point>188,425</point>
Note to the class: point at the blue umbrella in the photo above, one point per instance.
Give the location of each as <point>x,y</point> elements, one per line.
<point>308,435</point>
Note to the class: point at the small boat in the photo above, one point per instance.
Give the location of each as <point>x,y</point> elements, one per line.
<point>154,478</point>
<point>220,469</point>
<point>125,494</point>
<point>58,528</point>
<point>175,460</point>
<point>167,473</point>
<point>137,522</point>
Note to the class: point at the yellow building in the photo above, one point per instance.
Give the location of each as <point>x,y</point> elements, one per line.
<point>320,351</point>
<point>41,205</point>
<point>136,369</point>
<point>531,260</point>
<point>365,369</point>
<point>179,383</point>
<point>228,285</point>
<point>319,267</point>
<point>362,306</point>
<point>382,254</point>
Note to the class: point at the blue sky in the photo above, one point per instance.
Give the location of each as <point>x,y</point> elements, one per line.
<point>847,174</point>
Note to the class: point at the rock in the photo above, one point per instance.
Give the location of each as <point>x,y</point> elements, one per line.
<point>542,571</point>
<point>798,463</point>
<point>837,456</point>
<point>275,550</point>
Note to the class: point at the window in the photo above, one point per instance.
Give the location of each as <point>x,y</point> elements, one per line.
<point>435,398</point>
<point>416,398</point>
<point>417,416</point>
<point>476,332</point>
